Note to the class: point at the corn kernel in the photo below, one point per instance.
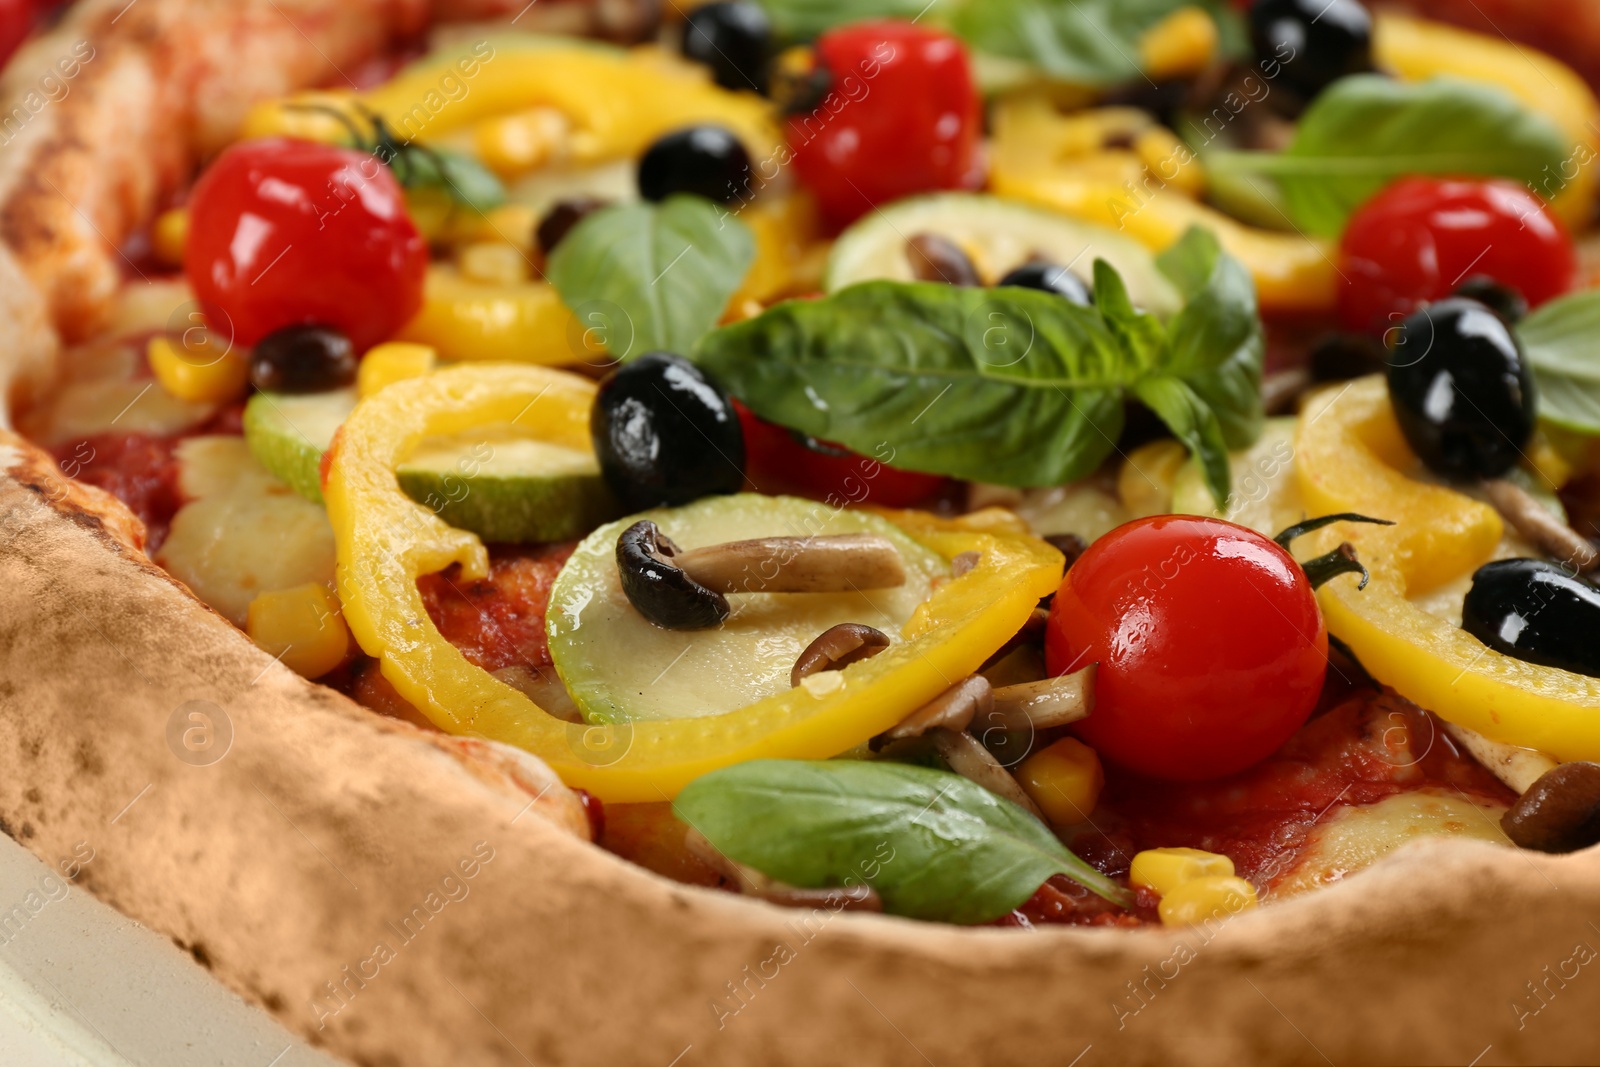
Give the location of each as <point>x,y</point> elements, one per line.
<point>168,235</point>
<point>1164,869</point>
<point>307,116</point>
<point>391,362</point>
<point>1064,780</point>
<point>511,145</point>
<point>1202,899</point>
<point>492,263</point>
<point>1181,44</point>
<point>302,627</point>
<point>201,374</point>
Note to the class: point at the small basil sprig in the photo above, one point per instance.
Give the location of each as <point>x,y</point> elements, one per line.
<point>652,276</point>
<point>456,176</point>
<point>1010,386</point>
<point>1366,130</point>
<point>1561,340</point>
<point>933,844</point>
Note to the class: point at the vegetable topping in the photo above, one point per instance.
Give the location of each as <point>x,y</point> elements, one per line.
<point>291,233</point>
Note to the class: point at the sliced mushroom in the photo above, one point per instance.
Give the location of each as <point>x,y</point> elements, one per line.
<point>935,258</point>
<point>660,590</point>
<point>1533,521</point>
<point>753,883</point>
<point>954,709</point>
<point>1560,812</point>
<point>837,647</point>
<point>1517,767</point>
<point>1042,704</point>
<point>968,758</point>
<point>797,564</point>
<point>964,562</point>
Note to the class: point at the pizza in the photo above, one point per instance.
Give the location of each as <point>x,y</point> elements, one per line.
<point>991,533</point>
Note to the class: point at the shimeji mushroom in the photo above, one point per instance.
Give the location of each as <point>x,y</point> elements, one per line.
<point>681,590</point>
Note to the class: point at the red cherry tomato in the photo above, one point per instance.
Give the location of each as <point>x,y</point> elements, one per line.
<point>1421,237</point>
<point>902,116</point>
<point>779,460</point>
<point>284,232</point>
<point>1210,647</point>
<point>16,22</point>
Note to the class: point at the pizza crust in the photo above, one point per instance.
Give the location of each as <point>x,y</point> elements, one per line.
<point>319,861</point>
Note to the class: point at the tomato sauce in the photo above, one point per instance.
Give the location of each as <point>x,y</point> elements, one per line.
<point>141,470</point>
<point>498,621</point>
<point>137,469</point>
<point>1365,748</point>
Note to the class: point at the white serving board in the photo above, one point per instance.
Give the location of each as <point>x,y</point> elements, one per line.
<point>81,985</point>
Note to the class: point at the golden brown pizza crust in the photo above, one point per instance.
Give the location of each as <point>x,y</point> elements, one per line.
<point>409,899</point>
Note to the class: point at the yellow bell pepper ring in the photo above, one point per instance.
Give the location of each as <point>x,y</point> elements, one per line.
<point>1350,456</point>
<point>523,322</point>
<point>616,102</point>
<point>1348,450</point>
<point>1292,272</point>
<point>385,541</point>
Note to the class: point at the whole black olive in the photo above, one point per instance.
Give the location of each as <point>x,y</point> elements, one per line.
<point>707,161</point>
<point>1315,42</point>
<point>1535,611</point>
<point>562,217</point>
<point>1461,389</point>
<point>734,39</point>
<point>1501,299</point>
<point>303,359</point>
<point>665,434</point>
<point>1052,278</point>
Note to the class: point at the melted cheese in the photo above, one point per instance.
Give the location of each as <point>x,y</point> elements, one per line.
<point>243,532</point>
<point>1356,838</point>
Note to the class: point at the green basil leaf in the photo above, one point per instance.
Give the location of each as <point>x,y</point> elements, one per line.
<point>1007,385</point>
<point>1194,423</point>
<point>1216,345</point>
<point>1562,342</point>
<point>1141,333</point>
<point>1366,130</point>
<point>1089,42</point>
<point>456,174</point>
<point>655,276</point>
<point>802,20</point>
<point>933,844</point>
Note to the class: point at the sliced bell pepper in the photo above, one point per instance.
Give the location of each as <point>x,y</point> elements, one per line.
<point>1349,456</point>
<point>523,323</point>
<point>617,102</point>
<point>1291,272</point>
<point>385,541</point>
